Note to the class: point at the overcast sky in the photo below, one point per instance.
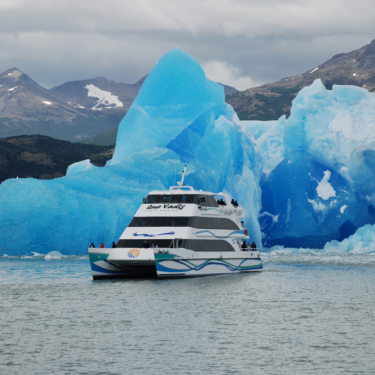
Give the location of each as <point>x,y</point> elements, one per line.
<point>241,43</point>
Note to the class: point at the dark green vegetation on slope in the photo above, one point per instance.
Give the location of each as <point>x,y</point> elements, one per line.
<point>104,139</point>
<point>80,127</point>
<point>270,101</point>
<point>44,157</point>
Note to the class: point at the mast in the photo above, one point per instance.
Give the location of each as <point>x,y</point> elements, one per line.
<point>181,183</point>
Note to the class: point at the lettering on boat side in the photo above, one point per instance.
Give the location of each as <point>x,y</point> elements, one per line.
<point>166,206</point>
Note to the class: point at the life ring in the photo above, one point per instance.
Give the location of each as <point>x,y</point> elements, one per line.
<point>246,232</point>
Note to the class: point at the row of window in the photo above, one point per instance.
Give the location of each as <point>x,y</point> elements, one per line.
<point>202,200</point>
<point>196,245</point>
<point>194,222</point>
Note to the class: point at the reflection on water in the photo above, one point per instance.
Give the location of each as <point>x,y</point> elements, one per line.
<point>296,317</point>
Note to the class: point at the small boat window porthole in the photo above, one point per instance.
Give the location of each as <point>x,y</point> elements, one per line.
<point>202,200</point>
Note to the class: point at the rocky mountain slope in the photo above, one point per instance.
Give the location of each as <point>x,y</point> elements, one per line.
<point>44,157</point>
<point>270,101</point>
<point>72,111</point>
<point>28,108</point>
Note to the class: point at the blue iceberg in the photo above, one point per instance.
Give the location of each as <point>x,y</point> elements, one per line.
<point>179,117</point>
<point>318,180</point>
<point>361,242</point>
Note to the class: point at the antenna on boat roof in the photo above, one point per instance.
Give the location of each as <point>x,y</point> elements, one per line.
<point>181,183</point>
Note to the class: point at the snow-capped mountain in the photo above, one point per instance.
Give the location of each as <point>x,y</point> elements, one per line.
<point>72,111</point>
<point>22,98</point>
<point>98,94</point>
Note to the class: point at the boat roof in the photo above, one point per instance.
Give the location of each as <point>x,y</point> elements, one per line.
<point>188,190</point>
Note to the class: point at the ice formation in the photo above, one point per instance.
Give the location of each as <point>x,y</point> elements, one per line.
<point>362,241</point>
<point>309,179</point>
<point>319,171</point>
<point>179,117</point>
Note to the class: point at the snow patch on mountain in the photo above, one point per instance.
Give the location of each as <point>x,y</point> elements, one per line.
<point>105,98</point>
<point>12,88</point>
<point>47,103</point>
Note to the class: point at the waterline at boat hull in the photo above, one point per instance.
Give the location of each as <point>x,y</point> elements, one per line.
<point>121,263</point>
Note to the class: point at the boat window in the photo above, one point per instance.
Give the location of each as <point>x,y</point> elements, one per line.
<point>178,198</point>
<point>212,223</point>
<point>151,199</point>
<point>139,243</point>
<point>213,202</point>
<point>160,222</point>
<point>165,199</point>
<point>207,245</point>
<point>207,201</point>
<point>183,221</point>
<point>202,200</point>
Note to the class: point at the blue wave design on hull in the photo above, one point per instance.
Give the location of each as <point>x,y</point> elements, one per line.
<point>96,268</point>
<point>191,267</point>
<point>153,235</point>
<point>213,234</point>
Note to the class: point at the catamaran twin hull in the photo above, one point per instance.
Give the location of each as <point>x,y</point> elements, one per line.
<point>161,263</point>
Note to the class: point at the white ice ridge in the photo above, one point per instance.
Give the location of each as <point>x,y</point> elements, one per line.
<point>324,188</point>
<point>314,70</point>
<point>80,166</point>
<point>104,97</point>
<point>48,103</point>
<point>342,209</point>
<point>9,74</point>
<point>12,88</point>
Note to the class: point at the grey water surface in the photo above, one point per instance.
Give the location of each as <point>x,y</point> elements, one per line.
<point>299,316</point>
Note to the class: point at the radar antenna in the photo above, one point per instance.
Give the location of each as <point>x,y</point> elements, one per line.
<point>181,183</point>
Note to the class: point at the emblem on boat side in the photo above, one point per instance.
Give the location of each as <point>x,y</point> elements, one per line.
<point>133,253</point>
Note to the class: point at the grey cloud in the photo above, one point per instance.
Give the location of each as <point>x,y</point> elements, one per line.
<point>57,41</point>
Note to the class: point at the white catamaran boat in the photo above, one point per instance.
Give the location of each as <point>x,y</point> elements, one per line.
<point>180,232</point>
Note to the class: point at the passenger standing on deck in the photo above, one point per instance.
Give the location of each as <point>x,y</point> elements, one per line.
<point>248,247</point>
<point>113,245</point>
<point>253,246</point>
<point>101,245</point>
<point>145,245</point>
<point>243,246</point>
<point>92,245</point>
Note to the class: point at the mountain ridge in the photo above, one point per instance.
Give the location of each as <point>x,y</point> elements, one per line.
<point>72,111</point>
<point>272,100</point>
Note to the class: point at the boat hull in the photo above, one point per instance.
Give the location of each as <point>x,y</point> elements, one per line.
<point>143,263</point>
<point>206,267</point>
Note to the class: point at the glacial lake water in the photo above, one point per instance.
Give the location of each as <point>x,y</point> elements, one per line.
<point>305,314</point>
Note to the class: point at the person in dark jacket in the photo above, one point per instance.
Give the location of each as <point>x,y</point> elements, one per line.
<point>243,246</point>
<point>92,245</point>
<point>145,245</point>
<point>253,246</point>
<point>113,245</point>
